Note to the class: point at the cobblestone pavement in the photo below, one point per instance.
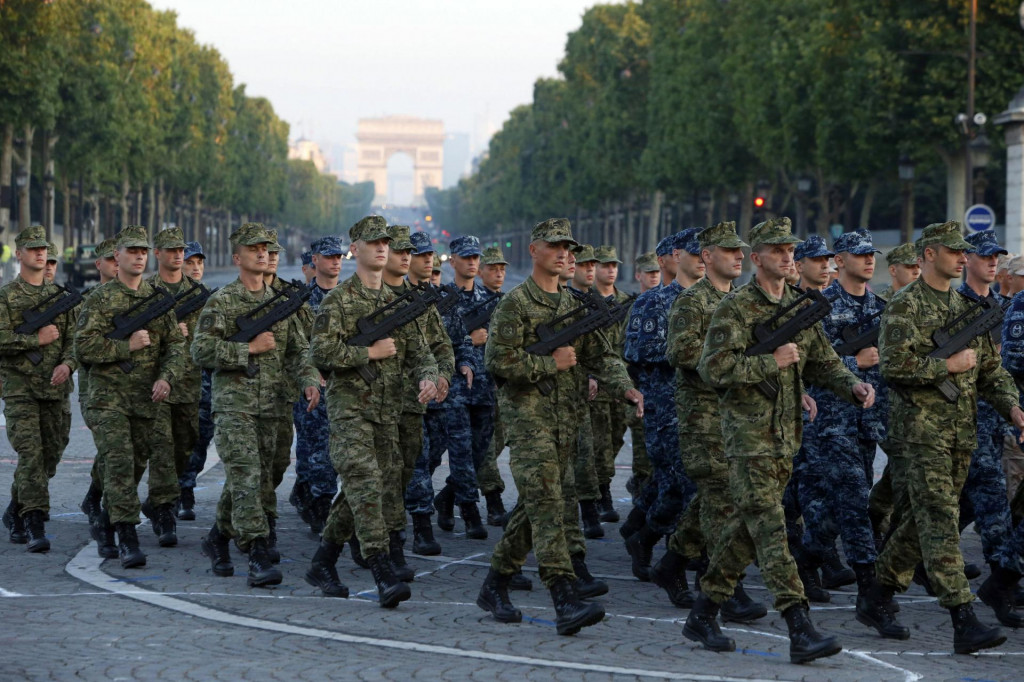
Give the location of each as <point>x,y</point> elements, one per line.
<point>65,615</point>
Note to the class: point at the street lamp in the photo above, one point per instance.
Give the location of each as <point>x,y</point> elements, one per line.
<point>981,154</point>
<point>906,173</point>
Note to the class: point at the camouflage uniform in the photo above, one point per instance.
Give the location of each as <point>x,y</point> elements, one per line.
<point>761,434</point>
<point>364,417</point>
<point>935,438</point>
<point>247,409</point>
<point>487,475</point>
<point>128,427</point>
<point>197,460</point>
<point>542,429</point>
<point>1013,360</point>
<point>36,412</point>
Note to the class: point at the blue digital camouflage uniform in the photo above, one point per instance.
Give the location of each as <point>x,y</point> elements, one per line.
<point>670,490</point>
<point>1013,360</point>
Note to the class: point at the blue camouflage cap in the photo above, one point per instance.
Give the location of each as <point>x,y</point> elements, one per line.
<point>665,246</point>
<point>306,257</point>
<point>194,249</point>
<point>421,243</point>
<point>812,247</point>
<point>328,245</point>
<point>687,241</point>
<point>858,243</point>
<point>466,245</point>
<point>985,243</point>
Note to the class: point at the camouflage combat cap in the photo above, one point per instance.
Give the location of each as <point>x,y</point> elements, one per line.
<point>812,247</point>
<point>1016,266</point>
<point>329,245</point>
<point>720,234</point>
<point>421,243</point>
<point>665,246</point>
<point>606,254</point>
<point>249,234</point>
<point>306,257</point>
<point>553,230</point>
<point>399,238</point>
<point>1004,261</point>
<point>133,236</point>
<point>437,264</point>
<point>51,252</point>
<point>193,249</point>
<point>686,240</point>
<point>773,231</point>
<point>985,243</point>
<point>584,253</point>
<point>947,234</point>
<point>171,238</point>
<point>105,249</point>
<point>369,229</point>
<point>32,237</point>
<point>467,245</point>
<point>857,242</point>
<point>904,254</point>
<point>493,256</point>
<point>647,262</point>
<point>274,246</point>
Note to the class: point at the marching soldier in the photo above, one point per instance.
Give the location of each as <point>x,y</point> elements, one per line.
<point>904,268</point>
<point>195,266</point>
<point>492,276</point>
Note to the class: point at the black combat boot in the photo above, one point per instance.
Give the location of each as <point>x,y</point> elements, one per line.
<point>91,503</point>
<point>318,513</point>
<point>640,546</point>
<point>494,597</point>
<point>444,503</point>
<point>702,626</point>
<point>301,500</point>
<point>740,608</point>
<point>520,582</point>
<point>396,552</point>
<point>635,520</point>
<point>390,589</point>
<point>495,509</point>
<point>106,542</point>
<point>168,536</point>
<point>149,511</point>
<point>969,635</point>
<point>357,552</point>
<point>215,546</point>
<point>262,572</point>
<point>587,586</point>
<point>36,531</point>
<point>128,546</point>
<point>187,504</point>
<point>812,583</point>
<point>607,506</point>
<point>670,575</point>
<point>475,529</point>
<point>322,572</point>
<point>971,571</point>
<point>591,521</point>
<point>14,524</point>
<point>272,551</point>
<point>1018,596</point>
<point>572,615</point>
<point>873,600</point>
<point>833,573</point>
<point>423,542</point>
<point>997,592</point>
<point>805,643</point>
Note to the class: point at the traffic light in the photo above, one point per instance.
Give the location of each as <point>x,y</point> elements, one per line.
<point>759,202</point>
<point>508,245</point>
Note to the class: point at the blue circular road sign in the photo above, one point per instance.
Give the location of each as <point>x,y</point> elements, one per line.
<point>980,217</point>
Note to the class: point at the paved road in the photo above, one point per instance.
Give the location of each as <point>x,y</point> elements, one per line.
<point>65,615</point>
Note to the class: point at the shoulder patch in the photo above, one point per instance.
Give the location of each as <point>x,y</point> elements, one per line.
<point>1016,330</point>
<point>322,323</point>
<point>507,331</point>
<point>718,336</point>
<point>206,323</point>
<point>82,318</point>
<point>649,325</point>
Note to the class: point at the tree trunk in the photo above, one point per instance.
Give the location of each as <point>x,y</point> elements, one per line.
<point>746,211</point>
<point>151,212</point>
<point>161,200</point>
<point>25,160</point>
<point>125,190</point>
<point>654,222</point>
<point>6,155</point>
<point>49,141</point>
<point>65,212</point>
<point>197,214</point>
<point>869,200</point>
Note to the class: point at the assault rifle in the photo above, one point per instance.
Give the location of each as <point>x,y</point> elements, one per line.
<point>137,317</point>
<point>855,340</point>
<point>588,297</point>
<point>35,318</point>
<point>598,313</point>
<point>769,339</point>
<point>449,298</point>
<point>381,323</point>
<point>285,302</point>
<point>985,315</point>
<point>183,310</point>
<point>479,316</point>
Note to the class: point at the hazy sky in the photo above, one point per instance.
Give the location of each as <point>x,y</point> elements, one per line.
<point>324,64</point>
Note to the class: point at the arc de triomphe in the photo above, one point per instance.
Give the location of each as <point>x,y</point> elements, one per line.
<point>379,138</point>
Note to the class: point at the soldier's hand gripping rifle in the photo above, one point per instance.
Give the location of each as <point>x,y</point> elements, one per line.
<point>859,335</point>
<point>479,316</point>
<point>285,302</point>
<point>137,317</point>
<point>983,316</point>
<point>183,308</point>
<point>598,313</point>
<point>769,339</point>
<point>40,315</point>
<point>382,323</point>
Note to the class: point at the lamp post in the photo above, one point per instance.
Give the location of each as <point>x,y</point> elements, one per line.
<point>21,180</point>
<point>981,153</point>
<point>906,173</point>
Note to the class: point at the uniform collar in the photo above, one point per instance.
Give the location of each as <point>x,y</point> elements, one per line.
<point>538,294</point>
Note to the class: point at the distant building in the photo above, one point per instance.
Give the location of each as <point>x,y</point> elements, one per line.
<point>456,159</point>
<point>421,139</point>
<point>307,150</point>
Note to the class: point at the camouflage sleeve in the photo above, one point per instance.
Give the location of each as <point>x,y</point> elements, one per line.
<point>598,358</point>
<point>67,339</point>
<point>418,353</point>
<point>825,368</point>
<point>995,384</point>
<point>91,346</point>
<point>327,347</point>
<point>296,356</point>
<point>210,349</point>
<point>902,355</point>
<point>12,343</point>
<point>722,360</point>
<point>631,346</point>
<point>172,354</point>
<point>505,353</point>
<point>685,333</point>
<point>305,317</point>
<point>440,345</point>
<point>462,346</point>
